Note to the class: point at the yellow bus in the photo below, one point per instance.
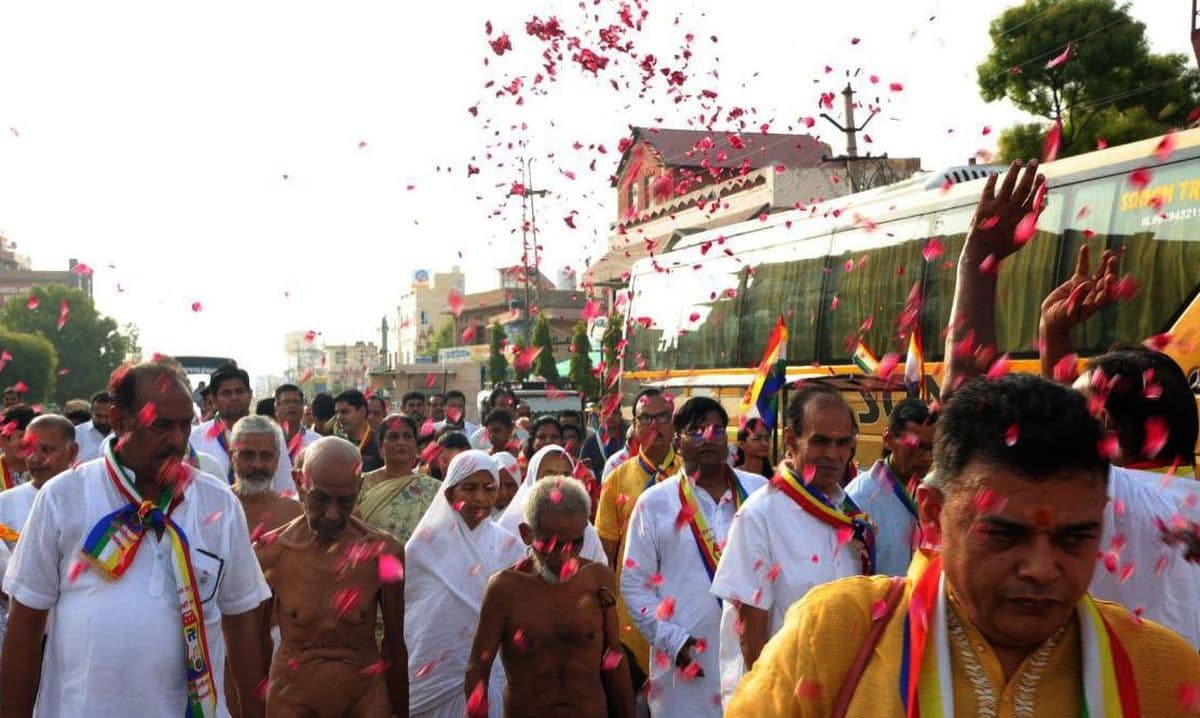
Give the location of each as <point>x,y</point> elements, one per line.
<point>699,313</point>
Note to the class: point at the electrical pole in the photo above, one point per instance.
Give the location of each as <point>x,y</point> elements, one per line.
<point>851,131</point>
<point>529,242</point>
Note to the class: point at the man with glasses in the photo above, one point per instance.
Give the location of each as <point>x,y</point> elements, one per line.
<point>887,493</point>
<point>656,461</point>
<point>674,544</point>
<point>289,414</point>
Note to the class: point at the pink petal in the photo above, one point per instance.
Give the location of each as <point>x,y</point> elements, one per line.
<point>391,569</point>
<point>1052,142</point>
<point>1025,228</point>
<point>1061,58</point>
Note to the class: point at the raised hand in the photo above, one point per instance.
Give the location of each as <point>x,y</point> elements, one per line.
<point>1004,217</point>
<point>1082,295</point>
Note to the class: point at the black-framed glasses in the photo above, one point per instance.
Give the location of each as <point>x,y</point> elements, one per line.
<point>647,419</point>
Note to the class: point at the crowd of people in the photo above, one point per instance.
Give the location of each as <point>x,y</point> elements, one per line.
<point>1021,549</point>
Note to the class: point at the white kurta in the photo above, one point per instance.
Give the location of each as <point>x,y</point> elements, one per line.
<point>775,553</point>
<point>106,631</point>
<point>89,439</point>
<point>204,440</point>
<point>655,546</point>
<point>894,523</point>
<point>1146,574</point>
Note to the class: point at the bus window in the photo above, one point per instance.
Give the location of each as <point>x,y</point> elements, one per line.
<point>950,231</point>
<point>872,270</point>
<point>1090,212</point>
<point>1158,231</point>
<point>1025,279</point>
<point>787,279</point>
<point>709,291</point>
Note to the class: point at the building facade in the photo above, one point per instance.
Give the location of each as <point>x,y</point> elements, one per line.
<point>421,309</point>
<point>17,277</point>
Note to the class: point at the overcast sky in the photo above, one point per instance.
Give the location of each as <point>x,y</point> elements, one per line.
<point>289,164</point>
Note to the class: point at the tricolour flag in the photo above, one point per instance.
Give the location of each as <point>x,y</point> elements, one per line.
<point>760,401</point>
<point>864,359</point>
<point>914,365</point>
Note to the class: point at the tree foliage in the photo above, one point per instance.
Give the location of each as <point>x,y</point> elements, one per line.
<point>580,371</point>
<point>89,346</point>
<point>544,365</point>
<point>1111,86</point>
<point>520,370</point>
<point>443,337</point>
<point>497,362</point>
<point>610,340</point>
<point>33,363</point>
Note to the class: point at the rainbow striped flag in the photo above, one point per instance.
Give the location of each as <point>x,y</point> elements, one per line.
<point>914,365</point>
<point>760,401</point>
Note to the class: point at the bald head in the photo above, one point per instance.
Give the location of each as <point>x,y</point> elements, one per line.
<point>331,477</point>
<point>50,439</point>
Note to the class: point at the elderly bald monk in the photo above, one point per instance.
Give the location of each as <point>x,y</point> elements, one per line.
<point>998,621</point>
<point>330,574</point>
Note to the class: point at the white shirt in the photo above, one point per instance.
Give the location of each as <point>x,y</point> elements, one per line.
<point>895,525</point>
<point>14,509</point>
<point>106,631</point>
<point>1145,573</point>
<point>654,546</point>
<point>775,553</point>
<point>204,440</point>
<point>468,428</point>
<point>89,439</point>
<point>479,438</point>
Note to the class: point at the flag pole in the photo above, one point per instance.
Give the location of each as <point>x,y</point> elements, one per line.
<point>779,413</point>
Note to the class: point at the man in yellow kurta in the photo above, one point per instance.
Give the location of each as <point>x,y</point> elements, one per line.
<point>997,622</point>
<point>655,461</point>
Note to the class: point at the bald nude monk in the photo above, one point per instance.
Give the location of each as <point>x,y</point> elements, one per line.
<point>554,618</point>
<point>325,571</point>
<point>256,441</point>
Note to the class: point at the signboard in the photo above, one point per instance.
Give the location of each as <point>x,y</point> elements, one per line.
<point>476,353</point>
<point>421,277</point>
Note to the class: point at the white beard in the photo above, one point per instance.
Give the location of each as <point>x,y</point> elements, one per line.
<point>253,487</point>
<point>544,572</point>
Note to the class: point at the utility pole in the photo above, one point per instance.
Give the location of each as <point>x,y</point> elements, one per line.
<point>851,131</point>
<point>529,241</point>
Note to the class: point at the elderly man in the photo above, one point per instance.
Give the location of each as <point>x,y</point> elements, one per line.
<point>51,442</point>
<point>126,547</point>
<point>91,434</point>
<point>256,441</point>
<point>230,388</point>
<point>330,574</point>
<point>554,615</point>
<point>887,493</point>
<point>998,622</point>
<point>674,545</point>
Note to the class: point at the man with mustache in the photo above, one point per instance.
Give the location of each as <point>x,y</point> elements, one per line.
<point>289,414</point>
<point>330,574</point>
<point>800,532</point>
<point>554,614</point>
<point>997,621</point>
<point>256,441</point>
<point>147,590</point>
<point>91,434</point>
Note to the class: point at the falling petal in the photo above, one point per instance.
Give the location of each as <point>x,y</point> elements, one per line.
<point>1052,142</point>
<point>391,569</point>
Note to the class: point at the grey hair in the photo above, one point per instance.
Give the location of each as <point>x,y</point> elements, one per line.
<point>62,423</point>
<point>934,481</point>
<point>257,424</point>
<point>561,494</point>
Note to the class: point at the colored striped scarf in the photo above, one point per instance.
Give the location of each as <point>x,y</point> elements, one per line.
<point>846,516</point>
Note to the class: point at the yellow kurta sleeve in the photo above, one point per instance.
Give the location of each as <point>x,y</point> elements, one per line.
<point>802,668</point>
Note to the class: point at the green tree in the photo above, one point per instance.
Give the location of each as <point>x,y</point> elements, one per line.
<point>33,363</point>
<point>89,345</point>
<point>520,370</point>
<point>443,338</point>
<point>544,365</point>
<point>497,362</point>
<point>1111,86</point>
<point>580,371</point>
<point>610,340</point>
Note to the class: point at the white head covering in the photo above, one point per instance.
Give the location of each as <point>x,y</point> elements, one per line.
<point>448,567</point>
<point>514,515</point>
<point>507,462</point>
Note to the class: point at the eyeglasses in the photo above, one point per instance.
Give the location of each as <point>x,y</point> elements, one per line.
<point>711,435</point>
<point>647,419</point>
